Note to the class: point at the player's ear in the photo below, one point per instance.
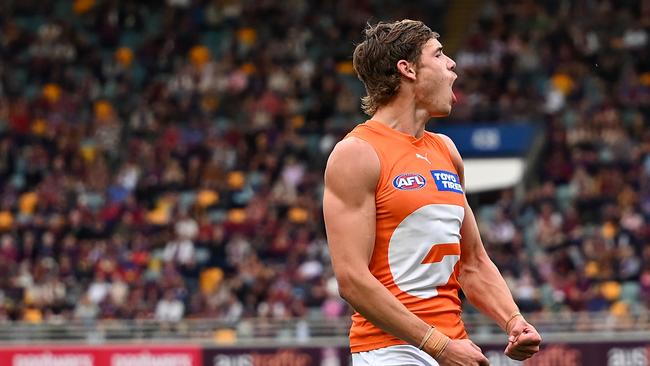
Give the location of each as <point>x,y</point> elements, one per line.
<point>406,69</point>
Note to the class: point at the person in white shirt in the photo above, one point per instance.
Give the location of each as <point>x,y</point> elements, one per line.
<point>169,308</point>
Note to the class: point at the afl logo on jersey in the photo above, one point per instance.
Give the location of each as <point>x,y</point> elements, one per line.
<point>409,181</point>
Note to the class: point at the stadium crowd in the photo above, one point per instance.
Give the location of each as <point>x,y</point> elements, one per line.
<point>578,241</point>
<point>165,162</point>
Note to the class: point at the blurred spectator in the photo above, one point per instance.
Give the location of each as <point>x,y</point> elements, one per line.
<point>165,161</point>
<point>169,308</point>
<point>86,310</point>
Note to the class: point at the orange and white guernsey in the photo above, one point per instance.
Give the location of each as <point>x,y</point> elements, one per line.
<point>420,209</point>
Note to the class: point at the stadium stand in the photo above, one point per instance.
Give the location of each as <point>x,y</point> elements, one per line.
<point>166,162</point>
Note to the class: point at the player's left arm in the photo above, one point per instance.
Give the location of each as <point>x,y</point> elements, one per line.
<point>483,284</point>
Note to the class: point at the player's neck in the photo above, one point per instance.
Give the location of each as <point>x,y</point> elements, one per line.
<point>402,116</point>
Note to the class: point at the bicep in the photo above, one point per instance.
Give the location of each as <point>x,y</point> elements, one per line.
<point>473,251</point>
<point>350,229</point>
<point>349,204</point>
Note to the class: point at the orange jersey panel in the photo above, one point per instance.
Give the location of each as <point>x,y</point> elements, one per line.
<point>420,209</point>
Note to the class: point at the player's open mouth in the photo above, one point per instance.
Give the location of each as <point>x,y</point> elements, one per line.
<point>453,95</point>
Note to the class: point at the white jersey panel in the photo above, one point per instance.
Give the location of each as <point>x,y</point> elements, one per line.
<point>413,240</point>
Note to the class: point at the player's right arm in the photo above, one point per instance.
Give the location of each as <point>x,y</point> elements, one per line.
<point>349,210</point>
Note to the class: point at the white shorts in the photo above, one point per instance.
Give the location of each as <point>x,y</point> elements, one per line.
<point>402,355</point>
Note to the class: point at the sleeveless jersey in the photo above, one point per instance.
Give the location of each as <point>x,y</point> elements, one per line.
<point>420,209</point>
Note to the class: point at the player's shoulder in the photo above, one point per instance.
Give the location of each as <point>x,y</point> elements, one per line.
<point>446,139</point>
<point>453,151</point>
<point>352,144</point>
<point>353,159</point>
